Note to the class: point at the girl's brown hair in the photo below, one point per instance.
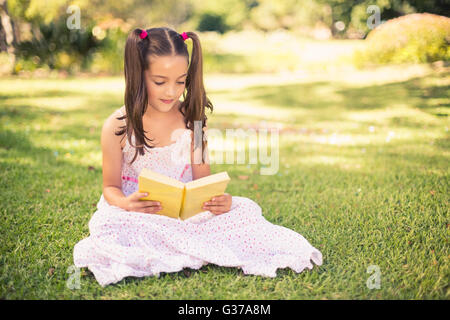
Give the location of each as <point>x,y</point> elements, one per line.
<point>161,42</point>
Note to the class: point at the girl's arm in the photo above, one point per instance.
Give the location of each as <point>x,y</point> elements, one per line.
<point>112,167</point>
<point>112,162</point>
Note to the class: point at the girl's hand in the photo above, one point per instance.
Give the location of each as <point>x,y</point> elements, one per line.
<point>218,204</point>
<point>132,203</point>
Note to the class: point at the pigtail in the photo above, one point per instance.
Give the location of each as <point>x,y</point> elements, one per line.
<point>195,99</point>
<point>136,97</point>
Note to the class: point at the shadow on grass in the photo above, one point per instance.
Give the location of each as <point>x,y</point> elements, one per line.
<point>323,95</point>
<point>206,271</point>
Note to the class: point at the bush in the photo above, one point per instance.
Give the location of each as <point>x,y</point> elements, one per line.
<point>212,22</point>
<point>109,58</point>
<point>57,47</point>
<point>416,38</point>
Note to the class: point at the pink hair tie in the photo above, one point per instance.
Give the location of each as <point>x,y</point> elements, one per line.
<point>143,34</point>
<point>185,36</point>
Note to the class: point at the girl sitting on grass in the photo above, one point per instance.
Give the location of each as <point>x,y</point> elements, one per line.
<point>126,237</point>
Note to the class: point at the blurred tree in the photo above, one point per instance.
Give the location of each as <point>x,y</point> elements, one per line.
<point>7,34</point>
<point>39,27</point>
<point>138,12</point>
<point>217,16</point>
<point>354,14</point>
<point>269,15</point>
<point>440,7</point>
<point>58,47</point>
<point>212,22</point>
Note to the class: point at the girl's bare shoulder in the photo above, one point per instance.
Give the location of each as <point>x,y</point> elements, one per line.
<point>113,124</point>
<point>118,113</point>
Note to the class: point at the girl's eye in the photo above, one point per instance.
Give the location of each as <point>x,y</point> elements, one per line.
<point>161,83</point>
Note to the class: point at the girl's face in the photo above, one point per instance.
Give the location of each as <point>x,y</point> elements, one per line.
<point>165,80</point>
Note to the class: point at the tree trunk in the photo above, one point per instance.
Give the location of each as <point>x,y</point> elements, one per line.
<point>7,36</point>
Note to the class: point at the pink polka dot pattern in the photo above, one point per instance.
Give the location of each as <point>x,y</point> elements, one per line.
<point>126,243</point>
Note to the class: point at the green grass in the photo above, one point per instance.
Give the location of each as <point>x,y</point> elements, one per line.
<point>363,176</point>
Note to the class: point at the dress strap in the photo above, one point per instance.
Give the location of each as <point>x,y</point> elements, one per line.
<point>184,170</point>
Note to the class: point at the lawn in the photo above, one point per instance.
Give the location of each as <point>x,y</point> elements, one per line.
<point>363,176</point>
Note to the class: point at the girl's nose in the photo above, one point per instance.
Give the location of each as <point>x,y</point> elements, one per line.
<point>170,92</point>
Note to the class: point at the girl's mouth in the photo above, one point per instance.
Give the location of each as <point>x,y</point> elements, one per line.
<point>167,101</point>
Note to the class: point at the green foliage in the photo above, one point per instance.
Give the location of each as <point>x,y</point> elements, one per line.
<point>415,38</point>
<point>355,15</point>
<point>109,58</point>
<point>212,22</point>
<point>58,47</point>
<point>217,16</point>
<point>54,46</point>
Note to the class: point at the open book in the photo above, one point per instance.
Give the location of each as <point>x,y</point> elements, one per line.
<point>181,200</point>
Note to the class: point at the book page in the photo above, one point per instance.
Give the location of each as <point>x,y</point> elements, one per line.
<point>166,190</point>
<point>197,192</point>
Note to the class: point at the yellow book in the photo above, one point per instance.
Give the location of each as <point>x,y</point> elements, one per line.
<point>181,200</point>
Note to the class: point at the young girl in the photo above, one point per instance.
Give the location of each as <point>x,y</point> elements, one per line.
<point>126,237</point>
